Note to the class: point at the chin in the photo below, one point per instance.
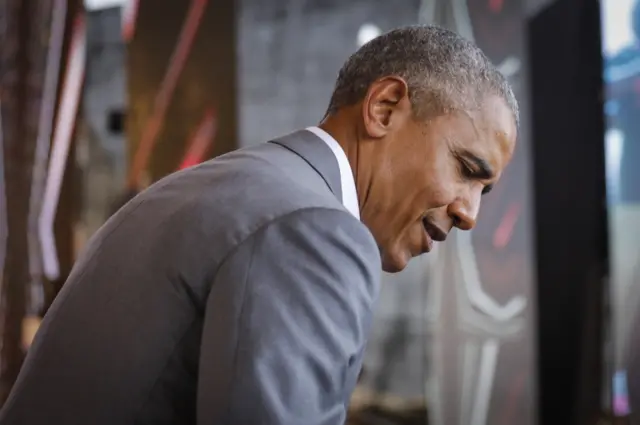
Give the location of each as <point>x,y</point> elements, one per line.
<point>394,263</point>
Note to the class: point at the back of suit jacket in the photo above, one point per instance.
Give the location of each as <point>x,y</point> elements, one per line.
<point>236,292</point>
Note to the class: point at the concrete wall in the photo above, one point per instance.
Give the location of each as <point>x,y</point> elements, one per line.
<point>288,60</point>
<point>101,150</point>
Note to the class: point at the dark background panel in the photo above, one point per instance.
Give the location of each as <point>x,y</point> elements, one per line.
<point>570,210</point>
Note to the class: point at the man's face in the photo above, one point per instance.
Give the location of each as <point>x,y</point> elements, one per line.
<point>431,175</point>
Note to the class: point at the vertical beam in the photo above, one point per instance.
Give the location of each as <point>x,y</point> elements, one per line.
<point>181,63</point>
<point>22,80</point>
<point>20,90</point>
<point>41,159</point>
<point>67,205</point>
<point>571,215</point>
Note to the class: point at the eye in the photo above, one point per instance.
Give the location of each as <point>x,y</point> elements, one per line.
<point>466,170</point>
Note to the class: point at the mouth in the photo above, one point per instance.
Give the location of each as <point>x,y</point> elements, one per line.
<point>435,233</point>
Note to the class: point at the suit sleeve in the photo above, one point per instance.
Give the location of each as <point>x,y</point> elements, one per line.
<point>287,321</point>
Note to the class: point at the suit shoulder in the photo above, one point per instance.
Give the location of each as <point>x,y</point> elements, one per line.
<point>312,245</point>
<point>329,227</point>
<point>335,221</point>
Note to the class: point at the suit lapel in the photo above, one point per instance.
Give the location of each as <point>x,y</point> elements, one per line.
<point>317,154</point>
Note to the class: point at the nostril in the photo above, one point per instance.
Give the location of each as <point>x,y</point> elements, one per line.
<point>463,222</point>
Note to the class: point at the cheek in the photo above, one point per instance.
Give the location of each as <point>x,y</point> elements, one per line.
<point>443,178</point>
<point>443,186</point>
<point>427,175</point>
<point>438,195</point>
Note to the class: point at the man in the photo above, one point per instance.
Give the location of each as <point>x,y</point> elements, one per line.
<point>241,291</point>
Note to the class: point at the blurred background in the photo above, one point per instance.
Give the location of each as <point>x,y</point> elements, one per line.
<point>529,319</point>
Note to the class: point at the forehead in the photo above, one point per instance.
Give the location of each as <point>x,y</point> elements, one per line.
<point>490,132</point>
<point>497,117</point>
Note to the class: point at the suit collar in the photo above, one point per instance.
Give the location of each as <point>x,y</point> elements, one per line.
<point>348,184</point>
<point>317,154</point>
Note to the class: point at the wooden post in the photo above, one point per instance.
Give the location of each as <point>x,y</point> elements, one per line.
<point>23,69</point>
<point>20,92</point>
<point>181,67</point>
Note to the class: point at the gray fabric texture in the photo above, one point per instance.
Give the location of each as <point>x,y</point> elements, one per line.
<point>237,292</point>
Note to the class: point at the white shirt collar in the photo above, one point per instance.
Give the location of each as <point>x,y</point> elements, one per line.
<point>348,184</point>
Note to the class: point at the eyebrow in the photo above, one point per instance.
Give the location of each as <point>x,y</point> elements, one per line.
<point>483,170</point>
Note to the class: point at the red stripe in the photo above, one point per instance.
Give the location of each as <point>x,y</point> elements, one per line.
<point>201,141</point>
<point>129,17</point>
<point>496,5</point>
<point>163,98</point>
<point>504,232</point>
<point>190,161</point>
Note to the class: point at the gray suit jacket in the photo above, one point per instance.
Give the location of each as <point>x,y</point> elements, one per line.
<point>238,292</point>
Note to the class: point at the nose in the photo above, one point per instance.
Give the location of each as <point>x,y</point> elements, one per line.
<point>464,213</point>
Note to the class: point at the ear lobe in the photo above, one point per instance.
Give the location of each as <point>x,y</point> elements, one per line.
<point>384,101</point>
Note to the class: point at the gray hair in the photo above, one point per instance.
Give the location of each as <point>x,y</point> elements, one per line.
<point>443,70</point>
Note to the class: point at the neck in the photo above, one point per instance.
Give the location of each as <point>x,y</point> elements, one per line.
<point>341,127</point>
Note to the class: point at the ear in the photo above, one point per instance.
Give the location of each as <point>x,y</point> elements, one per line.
<point>385,105</point>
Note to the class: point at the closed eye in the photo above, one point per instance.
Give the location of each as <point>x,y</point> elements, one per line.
<point>466,170</point>
<point>488,188</point>
<point>479,171</point>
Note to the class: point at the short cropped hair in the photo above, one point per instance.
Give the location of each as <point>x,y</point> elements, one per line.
<point>443,70</point>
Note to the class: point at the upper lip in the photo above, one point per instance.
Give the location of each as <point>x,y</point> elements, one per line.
<point>435,233</point>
